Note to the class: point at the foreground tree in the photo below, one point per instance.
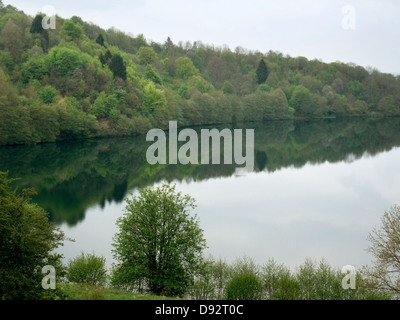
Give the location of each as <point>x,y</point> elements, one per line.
<point>385,246</point>
<point>159,245</point>
<point>27,244</point>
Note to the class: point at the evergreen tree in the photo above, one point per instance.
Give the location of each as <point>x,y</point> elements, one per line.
<point>100,40</point>
<point>117,67</point>
<point>262,72</point>
<point>36,26</point>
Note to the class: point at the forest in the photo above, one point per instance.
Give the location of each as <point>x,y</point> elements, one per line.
<point>79,81</point>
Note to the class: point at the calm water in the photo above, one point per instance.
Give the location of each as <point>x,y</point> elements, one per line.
<point>317,189</point>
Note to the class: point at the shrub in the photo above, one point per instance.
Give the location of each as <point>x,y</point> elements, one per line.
<point>244,286</point>
<point>87,269</point>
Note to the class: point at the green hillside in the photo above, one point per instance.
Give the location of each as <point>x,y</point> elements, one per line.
<point>80,81</point>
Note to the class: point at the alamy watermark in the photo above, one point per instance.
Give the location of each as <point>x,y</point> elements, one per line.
<point>49,281</point>
<point>349,20</point>
<point>189,152</point>
<point>49,21</point>
<point>349,280</point>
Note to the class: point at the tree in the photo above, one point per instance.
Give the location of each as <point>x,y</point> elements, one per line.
<point>27,244</point>
<point>118,67</point>
<point>11,36</point>
<point>159,244</point>
<point>153,98</point>
<point>168,43</point>
<point>152,75</point>
<point>100,40</point>
<point>146,55</point>
<point>301,101</point>
<point>385,247</point>
<point>48,94</point>
<point>34,69</point>
<point>72,31</point>
<point>185,68</point>
<point>64,60</point>
<point>262,72</point>
<point>36,26</point>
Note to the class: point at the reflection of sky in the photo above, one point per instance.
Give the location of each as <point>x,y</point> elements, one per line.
<point>318,211</point>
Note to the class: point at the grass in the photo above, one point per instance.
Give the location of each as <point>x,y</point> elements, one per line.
<point>84,292</point>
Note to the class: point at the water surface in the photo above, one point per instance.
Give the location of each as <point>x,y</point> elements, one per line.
<point>317,189</point>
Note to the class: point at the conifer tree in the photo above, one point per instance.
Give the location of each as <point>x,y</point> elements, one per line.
<point>117,67</point>
<point>262,72</point>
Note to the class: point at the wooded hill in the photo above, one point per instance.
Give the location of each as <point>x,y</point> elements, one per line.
<point>81,81</point>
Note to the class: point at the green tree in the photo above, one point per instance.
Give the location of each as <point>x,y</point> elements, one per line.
<point>301,101</point>
<point>72,31</point>
<point>228,88</point>
<point>185,68</point>
<point>152,75</point>
<point>48,94</point>
<point>64,60</point>
<point>36,26</point>
<point>27,244</point>
<point>153,98</point>
<point>146,55</point>
<point>34,69</point>
<point>159,243</point>
<point>100,40</point>
<point>262,72</point>
<point>87,269</point>
<point>385,247</point>
<point>244,285</point>
<point>118,67</point>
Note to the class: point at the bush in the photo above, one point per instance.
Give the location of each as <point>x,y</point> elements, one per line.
<point>244,286</point>
<point>87,269</point>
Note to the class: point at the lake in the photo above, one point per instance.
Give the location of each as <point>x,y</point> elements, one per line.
<point>317,189</point>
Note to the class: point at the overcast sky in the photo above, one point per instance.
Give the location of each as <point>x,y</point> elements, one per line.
<point>365,32</point>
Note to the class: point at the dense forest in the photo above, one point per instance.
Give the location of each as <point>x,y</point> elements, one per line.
<point>81,81</point>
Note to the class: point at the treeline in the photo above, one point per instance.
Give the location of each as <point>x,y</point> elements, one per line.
<point>80,81</point>
<point>242,279</point>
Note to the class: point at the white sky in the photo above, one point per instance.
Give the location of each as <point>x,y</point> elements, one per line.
<point>310,28</point>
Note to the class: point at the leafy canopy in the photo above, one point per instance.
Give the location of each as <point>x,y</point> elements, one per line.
<point>159,244</point>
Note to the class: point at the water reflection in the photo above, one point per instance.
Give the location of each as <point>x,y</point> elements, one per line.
<point>71,177</point>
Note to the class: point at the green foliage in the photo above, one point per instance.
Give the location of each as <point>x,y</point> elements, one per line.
<point>64,60</point>
<point>100,40</point>
<point>185,68</point>
<point>48,94</point>
<point>228,88</point>
<point>385,247</point>
<point>159,244</point>
<point>28,242</point>
<point>301,102</point>
<point>104,105</point>
<point>118,67</point>
<point>195,83</point>
<point>36,26</point>
<point>153,98</point>
<point>35,68</point>
<point>244,286</point>
<point>152,75</point>
<point>87,269</point>
<point>146,55</point>
<point>262,72</point>
<point>72,30</point>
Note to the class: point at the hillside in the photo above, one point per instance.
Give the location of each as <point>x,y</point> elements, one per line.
<point>80,81</point>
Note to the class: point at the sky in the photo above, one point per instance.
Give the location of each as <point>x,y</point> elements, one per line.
<point>364,32</point>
